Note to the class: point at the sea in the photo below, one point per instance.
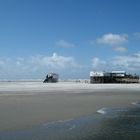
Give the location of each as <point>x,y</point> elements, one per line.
<point>106,124</point>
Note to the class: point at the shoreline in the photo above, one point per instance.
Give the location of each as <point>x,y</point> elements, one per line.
<point>26,105</point>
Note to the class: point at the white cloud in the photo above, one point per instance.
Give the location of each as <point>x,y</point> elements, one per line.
<point>19,61</point>
<point>64,44</point>
<point>120,49</point>
<point>98,64</point>
<point>54,61</point>
<point>129,63</point>
<point>1,62</point>
<point>137,35</point>
<point>113,39</point>
<point>35,66</point>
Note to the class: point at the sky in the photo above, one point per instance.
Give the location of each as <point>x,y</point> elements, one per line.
<point>68,37</point>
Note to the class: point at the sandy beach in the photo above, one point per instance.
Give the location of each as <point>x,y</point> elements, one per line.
<point>25,105</point>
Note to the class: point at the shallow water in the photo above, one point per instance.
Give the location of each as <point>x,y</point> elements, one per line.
<point>107,124</point>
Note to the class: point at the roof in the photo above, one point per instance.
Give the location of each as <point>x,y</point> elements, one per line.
<point>118,72</point>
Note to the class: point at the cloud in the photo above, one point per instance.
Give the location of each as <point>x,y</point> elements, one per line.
<point>98,64</point>
<point>1,62</point>
<point>113,39</point>
<point>120,49</point>
<point>137,35</point>
<point>36,66</point>
<point>64,44</point>
<point>54,61</point>
<point>129,63</point>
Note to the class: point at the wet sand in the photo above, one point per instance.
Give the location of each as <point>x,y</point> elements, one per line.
<point>25,105</point>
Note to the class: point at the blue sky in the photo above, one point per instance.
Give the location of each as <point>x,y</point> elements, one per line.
<point>70,37</point>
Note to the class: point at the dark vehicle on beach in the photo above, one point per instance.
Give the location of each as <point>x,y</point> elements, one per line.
<point>51,78</point>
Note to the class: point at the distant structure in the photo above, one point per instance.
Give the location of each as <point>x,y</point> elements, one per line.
<point>51,78</point>
<point>112,77</point>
